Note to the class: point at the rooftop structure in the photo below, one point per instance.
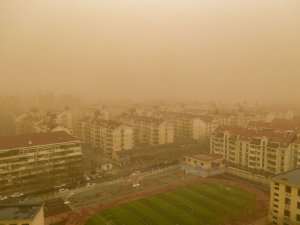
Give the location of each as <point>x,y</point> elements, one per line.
<point>291,177</point>
<point>18,212</point>
<point>29,140</point>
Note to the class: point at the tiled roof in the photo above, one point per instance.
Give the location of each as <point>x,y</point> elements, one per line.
<point>27,140</point>
<point>147,119</point>
<point>205,157</point>
<point>111,124</point>
<point>276,124</point>
<point>247,134</point>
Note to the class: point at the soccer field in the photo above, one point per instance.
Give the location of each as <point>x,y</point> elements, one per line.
<point>192,205</point>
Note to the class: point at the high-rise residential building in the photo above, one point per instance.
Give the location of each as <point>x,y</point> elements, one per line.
<point>107,136</point>
<point>190,126</point>
<point>26,123</point>
<point>150,130</point>
<point>285,198</point>
<point>260,149</point>
<point>38,161</point>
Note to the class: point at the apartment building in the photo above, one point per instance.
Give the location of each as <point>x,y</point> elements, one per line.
<point>239,119</point>
<point>106,135</point>
<point>150,130</point>
<point>38,161</point>
<point>285,198</point>
<point>21,214</point>
<point>277,124</point>
<point>296,152</point>
<point>26,122</point>
<point>190,126</point>
<point>262,150</point>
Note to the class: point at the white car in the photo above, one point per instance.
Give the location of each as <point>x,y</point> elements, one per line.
<point>90,184</point>
<point>67,202</point>
<point>136,173</point>
<point>17,194</point>
<point>86,177</point>
<point>2,198</point>
<point>63,190</point>
<point>59,185</point>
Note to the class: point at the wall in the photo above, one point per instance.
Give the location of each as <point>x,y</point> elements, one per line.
<point>248,176</point>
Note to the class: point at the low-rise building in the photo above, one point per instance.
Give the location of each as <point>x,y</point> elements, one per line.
<point>204,165</point>
<point>21,215</point>
<point>285,198</point>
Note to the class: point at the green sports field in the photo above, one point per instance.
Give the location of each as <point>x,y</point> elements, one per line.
<point>192,205</point>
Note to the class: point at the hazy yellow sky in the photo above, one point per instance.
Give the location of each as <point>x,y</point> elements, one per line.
<point>146,49</point>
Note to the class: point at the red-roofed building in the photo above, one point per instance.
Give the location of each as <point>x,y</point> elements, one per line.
<point>258,148</point>
<point>38,161</point>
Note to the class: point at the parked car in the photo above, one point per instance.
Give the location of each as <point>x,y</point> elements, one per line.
<point>59,185</point>
<point>63,190</point>
<point>136,173</point>
<point>86,177</point>
<point>2,198</point>
<point>67,202</point>
<point>90,184</point>
<point>17,194</point>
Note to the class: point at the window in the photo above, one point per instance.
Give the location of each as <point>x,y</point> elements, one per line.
<point>298,217</point>
<point>275,206</point>
<point>298,192</point>
<point>276,188</point>
<point>287,201</point>
<point>288,189</point>
<point>287,213</point>
<point>298,205</point>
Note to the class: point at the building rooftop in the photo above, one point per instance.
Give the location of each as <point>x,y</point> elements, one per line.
<point>205,157</point>
<point>291,177</point>
<point>284,139</point>
<point>147,119</point>
<point>110,124</point>
<point>27,140</point>
<point>18,212</point>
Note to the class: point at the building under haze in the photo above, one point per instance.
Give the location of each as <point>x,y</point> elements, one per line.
<point>21,214</point>
<point>27,123</point>
<point>272,150</point>
<point>38,161</point>
<point>204,165</point>
<point>107,136</point>
<point>285,198</point>
<point>150,130</point>
<point>189,127</point>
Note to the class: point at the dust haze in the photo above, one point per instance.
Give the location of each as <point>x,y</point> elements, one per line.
<point>141,49</point>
